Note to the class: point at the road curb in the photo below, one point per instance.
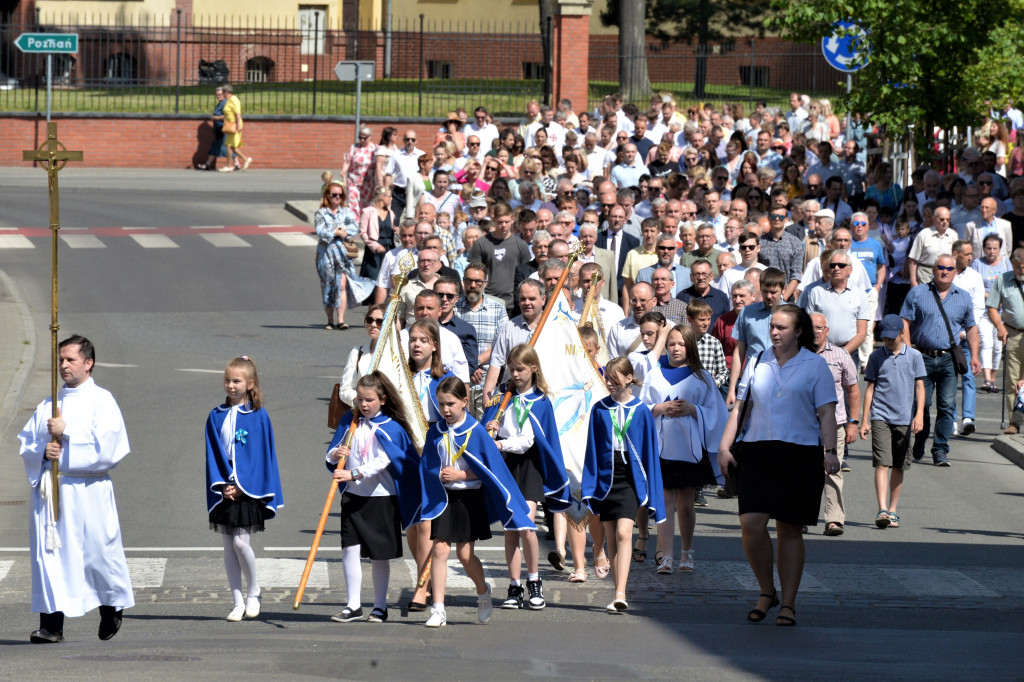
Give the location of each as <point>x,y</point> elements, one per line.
<point>16,330</point>
<point>303,209</point>
<point>1010,447</point>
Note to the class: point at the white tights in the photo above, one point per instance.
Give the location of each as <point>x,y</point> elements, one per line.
<point>380,571</point>
<point>238,559</point>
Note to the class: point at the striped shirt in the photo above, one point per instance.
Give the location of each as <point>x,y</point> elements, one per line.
<point>844,373</point>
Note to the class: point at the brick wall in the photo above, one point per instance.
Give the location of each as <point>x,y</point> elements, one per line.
<point>180,142</point>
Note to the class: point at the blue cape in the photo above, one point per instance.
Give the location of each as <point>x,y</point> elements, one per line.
<point>502,497</point>
<point>642,443</point>
<point>255,471</point>
<point>404,467</point>
<point>545,439</point>
<point>433,390</point>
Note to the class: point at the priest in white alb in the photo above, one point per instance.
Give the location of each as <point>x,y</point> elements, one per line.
<point>78,560</point>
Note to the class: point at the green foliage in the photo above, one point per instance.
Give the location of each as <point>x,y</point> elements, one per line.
<point>703,20</point>
<point>931,61</point>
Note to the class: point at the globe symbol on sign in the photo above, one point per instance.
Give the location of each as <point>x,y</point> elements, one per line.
<point>847,47</point>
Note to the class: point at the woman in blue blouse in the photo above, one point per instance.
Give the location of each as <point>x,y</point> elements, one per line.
<point>335,224</point>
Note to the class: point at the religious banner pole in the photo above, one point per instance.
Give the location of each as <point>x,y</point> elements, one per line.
<point>54,156</point>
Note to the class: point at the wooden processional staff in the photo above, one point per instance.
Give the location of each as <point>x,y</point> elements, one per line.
<point>54,156</point>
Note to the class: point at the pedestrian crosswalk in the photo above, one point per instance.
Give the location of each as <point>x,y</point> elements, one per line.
<point>237,236</point>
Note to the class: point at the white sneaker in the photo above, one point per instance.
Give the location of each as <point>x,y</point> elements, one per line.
<point>968,427</point>
<point>484,606</point>
<point>252,607</point>
<point>236,614</point>
<point>438,618</point>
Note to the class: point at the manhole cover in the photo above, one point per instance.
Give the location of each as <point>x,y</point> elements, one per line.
<point>129,657</point>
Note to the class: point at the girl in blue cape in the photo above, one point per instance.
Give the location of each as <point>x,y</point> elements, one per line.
<point>466,486</point>
<point>378,477</point>
<point>427,374</point>
<point>620,469</point>
<point>243,487</point>
<point>527,437</point>
<point>689,415</point>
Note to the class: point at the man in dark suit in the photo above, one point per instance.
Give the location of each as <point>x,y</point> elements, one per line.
<point>619,243</point>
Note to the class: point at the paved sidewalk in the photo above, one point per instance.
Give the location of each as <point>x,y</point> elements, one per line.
<point>17,355</point>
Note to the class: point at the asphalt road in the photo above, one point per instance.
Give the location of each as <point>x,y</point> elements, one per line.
<point>937,599</point>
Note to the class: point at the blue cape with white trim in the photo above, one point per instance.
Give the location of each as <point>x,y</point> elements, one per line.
<point>504,501</point>
<point>545,439</point>
<point>255,471</point>
<point>404,467</point>
<point>641,441</point>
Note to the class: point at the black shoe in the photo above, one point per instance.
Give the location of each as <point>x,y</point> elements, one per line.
<point>42,636</point>
<point>416,607</point>
<point>536,589</point>
<point>110,622</point>
<point>918,457</point>
<point>845,466</point>
<point>378,615</point>
<point>514,599</point>
<point>348,615</point>
<point>699,500</point>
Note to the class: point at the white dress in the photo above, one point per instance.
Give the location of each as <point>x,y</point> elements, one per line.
<point>89,568</point>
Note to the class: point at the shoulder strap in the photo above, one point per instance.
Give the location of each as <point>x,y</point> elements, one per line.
<point>938,301</point>
<point>1019,287</point>
<point>741,422</point>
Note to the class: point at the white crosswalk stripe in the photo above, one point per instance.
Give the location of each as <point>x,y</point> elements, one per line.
<point>154,241</point>
<point>293,238</point>
<point>15,241</point>
<point>82,241</point>
<point>457,578</point>
<point>288,573</point>
<point>223,239</point>
<point>146,572</point>
<point>4,567</point>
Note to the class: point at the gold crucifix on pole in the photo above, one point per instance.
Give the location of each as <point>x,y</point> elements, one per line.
<point>54,156</point>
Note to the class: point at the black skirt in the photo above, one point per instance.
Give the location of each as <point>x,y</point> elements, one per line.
<point>678,475</point>
<point>245,512</point>
<point>464,519</point>
<point>525,469</point>
<point>621,501</point>
<point>374,524</point>
<point>782,479</point>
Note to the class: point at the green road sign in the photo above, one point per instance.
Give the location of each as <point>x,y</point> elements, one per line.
<point>65,43</point>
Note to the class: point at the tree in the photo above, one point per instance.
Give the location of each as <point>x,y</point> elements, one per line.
<point>636,83</point>
<point>703,21</point>
<point>926,58</point>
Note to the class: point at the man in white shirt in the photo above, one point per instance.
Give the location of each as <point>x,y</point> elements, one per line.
<point>713,214</point>
<point>627,173</point>
<point>796,116</point>
<point>624,333</point>
<point>556,133</point>
<point>389,265</point>
<point>970,280</point>
<point>750,246</point>
<point>484,131</point>
<point>607,313</point>
<point>402,166</point>
<point>427,305</point>
<point>976,231</point>
<point>599,159</point>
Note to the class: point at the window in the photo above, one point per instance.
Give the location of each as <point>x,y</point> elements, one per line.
<point>62,65</point>
<point>120,68</point>
<point>533,71</point>
<point>438,69</point>
<point>754,76</point>
<point>312,28</point>
<point>257,69</point>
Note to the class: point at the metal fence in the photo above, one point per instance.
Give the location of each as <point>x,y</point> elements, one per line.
<point>422,68</point>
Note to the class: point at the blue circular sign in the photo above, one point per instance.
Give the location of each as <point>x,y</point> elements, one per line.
<point>846,49</point>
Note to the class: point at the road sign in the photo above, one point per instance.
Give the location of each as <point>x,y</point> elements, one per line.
<point>354,71</point>
<point>63,43</point>
<point>846,49</point>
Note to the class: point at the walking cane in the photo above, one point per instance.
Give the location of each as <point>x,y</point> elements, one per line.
<point>1002,419</point>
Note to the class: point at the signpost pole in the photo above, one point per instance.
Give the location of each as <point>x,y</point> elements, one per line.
<point>359,96</point>
<point>49,83</point>
<point>849,112</point>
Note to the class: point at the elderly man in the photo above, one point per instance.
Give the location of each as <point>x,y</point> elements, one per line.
<point>968,211</point>
<point>486,314</point>
<point>782,251</point>
<point>872,255</point>
<point>78,563</point>
<point>705,249</point>
<point>608,313</point>
<point>975,231</point>
<point>844,375</point>
<point>733,230</point>
<point>532,297</point>
<point>614,239</point>
<point>934,316</point>
<point>813,272</point>
<point>845,307</point>
<point>970,280</point>
<point>428,265</point>
<point>665,301</point>
<point>627,173</point>
<point>402,166</point>
<point>701,289</point>
<point>389,266</point>
<point>1007,295</point>
<point>665,248</point>
<point>930,243</point>
<point>624,336</point>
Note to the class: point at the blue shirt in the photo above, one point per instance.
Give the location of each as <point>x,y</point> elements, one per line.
<point>872,254</point>
<point>682,275</point>
<point>894,377</point>
<point>927,328</point>
<point>752,328</point>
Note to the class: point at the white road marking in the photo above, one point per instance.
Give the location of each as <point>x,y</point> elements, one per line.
<point>82,241</point>
<point>15,241</point>
<point>457,577</point>
<point>225,240</point>
<point>205,371</point>
<point>4,567</point>
<point>147,572</point>
<point>288,573</point>
<point>293,238</point>
<point>936,582</point>
<point>111,364</point>
<point>154,241</point>
<point>207,227</point>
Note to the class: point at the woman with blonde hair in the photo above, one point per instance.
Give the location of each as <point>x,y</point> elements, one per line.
<point>233,131</point>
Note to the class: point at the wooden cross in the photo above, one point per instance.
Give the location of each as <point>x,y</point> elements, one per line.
<point>54,156</point>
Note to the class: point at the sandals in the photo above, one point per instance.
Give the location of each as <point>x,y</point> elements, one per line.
<point>342,326</point>
<point>603,570</point>
<point>686,560</point>
<point>756,615</point>
<point>203,166</point>
<point>578,576</point>
<point>833,529</point>
<point>990,386</point>
<point>664,565</point>
<point>557,560</point>
<point>786,621</point>
<point>640,553</point>
<point>894,520</point>
<point>883,520</point>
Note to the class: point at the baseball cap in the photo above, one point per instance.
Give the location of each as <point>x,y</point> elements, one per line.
<point>891,326</point>
<point>825,213</point>
<point>478,202</point>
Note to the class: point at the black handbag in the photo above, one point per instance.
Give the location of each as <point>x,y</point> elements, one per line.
<point>960,365</point>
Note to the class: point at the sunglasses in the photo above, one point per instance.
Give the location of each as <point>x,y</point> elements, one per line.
<point>410,139</point>
<point>336,194</point>
<point>373,321</point>
<point>666,248</point>
<point>859,223</point>
<point>748,247</point>
<point>447,296</point>
<point>840,266</point>
<point>473,144</point>
<point>945,268</point>
<point>777,216</point>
